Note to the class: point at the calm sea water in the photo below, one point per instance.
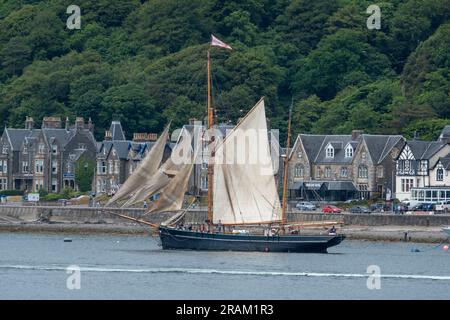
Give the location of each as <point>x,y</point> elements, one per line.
<point>33,266</point>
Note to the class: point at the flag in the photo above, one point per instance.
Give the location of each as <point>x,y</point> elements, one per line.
<point>218,43</point>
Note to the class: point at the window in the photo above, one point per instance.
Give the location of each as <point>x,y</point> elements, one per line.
<point>299,155</point>
<point>110,166</point>
<point>38,184</point>
<point>54,149</point>
<point>3,166</point>
<point>69,167</point>
<point>54,185</point>
<point>344,172</point>
<point>25,150</point>
<point>25,167</point>
<point>5,150</point>
<point>41,148</point>
<point>116,166</point>
<point>204,182</point>
<point>131,167</point>
<point>204,165</point>
<point>363,172</point>
<point>440,174</point>
<point>327,172</point>
<point>54,166</point>
<point>349,152</point>
<point>330,152</point>
<point>380,172</point>
<point>101,167</point>
<point>299,170</point>
<point>407,185</point>
<point>3,184</point>
<point>39,166</point>
<point>82,146</point>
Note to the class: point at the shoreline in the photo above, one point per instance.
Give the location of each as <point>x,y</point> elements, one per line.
<point>364,233</point>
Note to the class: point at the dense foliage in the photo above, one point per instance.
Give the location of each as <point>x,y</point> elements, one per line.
<point>144,62</point>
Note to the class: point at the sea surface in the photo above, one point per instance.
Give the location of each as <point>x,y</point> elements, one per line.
<point>34,266</point>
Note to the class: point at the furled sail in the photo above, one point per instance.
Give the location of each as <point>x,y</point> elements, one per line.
<point>144,171</point>
<point>244,185</point>
<point>170,169</point>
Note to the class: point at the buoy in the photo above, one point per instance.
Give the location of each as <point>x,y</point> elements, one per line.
<point>67,240</point>
<point>445,247</point>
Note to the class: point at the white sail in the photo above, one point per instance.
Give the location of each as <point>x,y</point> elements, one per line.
<point>244,185</point>
<point>166,172</point>
<point>172,196</point>
<point>144,171</point>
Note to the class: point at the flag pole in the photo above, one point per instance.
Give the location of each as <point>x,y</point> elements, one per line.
<point>211,140</point>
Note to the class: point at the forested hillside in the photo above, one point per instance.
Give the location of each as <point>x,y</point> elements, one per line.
<point>144,62</point>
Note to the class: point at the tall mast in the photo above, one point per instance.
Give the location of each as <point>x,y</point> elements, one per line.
<point>211,140</point>
<point>286,166</point>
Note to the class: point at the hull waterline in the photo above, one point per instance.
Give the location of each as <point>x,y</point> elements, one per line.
<point>174,239</point>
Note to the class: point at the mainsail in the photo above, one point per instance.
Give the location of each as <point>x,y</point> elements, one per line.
<point>145,170</point>
<point>167,172</point>
<point>244,185</point>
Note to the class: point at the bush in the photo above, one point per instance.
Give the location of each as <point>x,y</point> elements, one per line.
<point>11,193</point>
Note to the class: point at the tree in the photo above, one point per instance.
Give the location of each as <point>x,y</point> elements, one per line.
<point>84,174</point>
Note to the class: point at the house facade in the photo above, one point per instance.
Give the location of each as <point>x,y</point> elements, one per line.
<point>422,169</point>
<point>44,159</point>
<point>342,167</point>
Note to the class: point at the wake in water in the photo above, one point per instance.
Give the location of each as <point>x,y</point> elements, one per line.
<point>227,272</point>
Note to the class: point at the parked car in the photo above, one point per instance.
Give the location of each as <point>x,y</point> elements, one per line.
<point>442,206</point>
<point>331,209</point>
<point>306,206</point>
<point>423,207</point>
<point>379,207</point>
<point>359,209</point>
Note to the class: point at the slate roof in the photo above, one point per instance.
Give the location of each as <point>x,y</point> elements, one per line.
<point>17,137</point>
<point>315,146</point>
<point>423,150</point>
<point>379,146</point>
<point>117,131</point>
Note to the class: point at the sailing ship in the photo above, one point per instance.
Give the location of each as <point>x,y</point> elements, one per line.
<point>242,190</point>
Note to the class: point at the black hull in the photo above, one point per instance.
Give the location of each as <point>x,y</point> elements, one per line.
<point>172,238</point>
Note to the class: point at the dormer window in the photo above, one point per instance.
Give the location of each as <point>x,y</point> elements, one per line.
<point>54,149</point>
<point>41,148</point>
<point>349,152</point>
<point>5,150</point>
<point>440,174</point>
<point>330,151</point>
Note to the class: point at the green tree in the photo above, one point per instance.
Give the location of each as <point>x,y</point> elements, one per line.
<point>84,174</point>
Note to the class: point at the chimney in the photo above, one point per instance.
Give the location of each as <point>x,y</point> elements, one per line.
<point>108,135</point>
<point>79,123</point>
<point>139,137</point>
<point>29,123</point>
<point>356,134</point>
<point>67,124</point>
<point>51,122</point>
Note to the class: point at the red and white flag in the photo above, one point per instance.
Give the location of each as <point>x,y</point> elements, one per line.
<point>218,43</point>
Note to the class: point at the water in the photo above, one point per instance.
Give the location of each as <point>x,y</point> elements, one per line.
<point>126,267</point>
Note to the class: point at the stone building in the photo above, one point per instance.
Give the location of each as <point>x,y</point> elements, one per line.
<point>34,159</point>
<point>342,167</point>
<point>118,157</point>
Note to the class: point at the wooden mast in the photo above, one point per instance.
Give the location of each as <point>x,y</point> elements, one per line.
<point>286,167</point>
<point>210,141</point>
